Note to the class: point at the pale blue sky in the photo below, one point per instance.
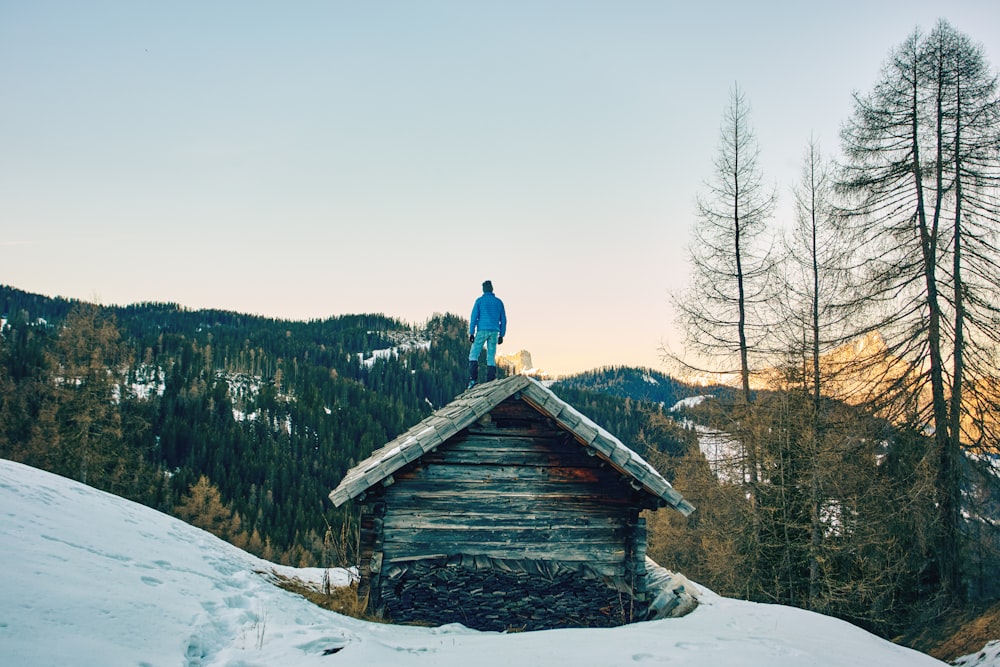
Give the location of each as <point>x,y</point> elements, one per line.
<point>307,159</point>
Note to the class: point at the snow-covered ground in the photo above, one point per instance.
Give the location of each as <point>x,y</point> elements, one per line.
<point>988,657</point>
<point>87,578</point>
<point>406,342</point>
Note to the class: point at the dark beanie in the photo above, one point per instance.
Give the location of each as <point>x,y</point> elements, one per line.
<point>487,286</point>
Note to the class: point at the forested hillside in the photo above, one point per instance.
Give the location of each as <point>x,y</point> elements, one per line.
<point>242,425</point>
<point>270,413</point>
<point>238,423</point>
<point>640,384</point>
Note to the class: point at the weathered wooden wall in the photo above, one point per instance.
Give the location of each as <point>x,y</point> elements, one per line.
<point>512,489</point>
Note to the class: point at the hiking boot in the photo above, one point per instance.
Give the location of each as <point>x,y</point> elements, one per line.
<point>473,374</point>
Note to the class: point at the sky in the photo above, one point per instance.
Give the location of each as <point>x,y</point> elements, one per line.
<point>92,579</point>
<point>307,159</point>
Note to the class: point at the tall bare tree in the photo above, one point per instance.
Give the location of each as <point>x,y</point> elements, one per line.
<point>721,312</point>
<point>921,173</point>
<point>814,317</point>
<point>815,311</point>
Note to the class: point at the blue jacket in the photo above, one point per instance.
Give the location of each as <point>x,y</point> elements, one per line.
<point>488,315</point>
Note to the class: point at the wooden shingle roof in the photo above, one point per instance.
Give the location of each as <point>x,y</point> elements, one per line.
<point>480,400</point>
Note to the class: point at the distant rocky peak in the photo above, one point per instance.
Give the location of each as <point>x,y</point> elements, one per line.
<point>517,362</point>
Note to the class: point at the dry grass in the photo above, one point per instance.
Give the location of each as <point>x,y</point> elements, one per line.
<point>957,635</point>
<point>341,599</point>
<point>971,636</point>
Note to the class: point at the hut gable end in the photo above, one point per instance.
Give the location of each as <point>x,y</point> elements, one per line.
<point>479,404</point>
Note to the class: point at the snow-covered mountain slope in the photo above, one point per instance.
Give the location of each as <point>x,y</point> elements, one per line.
<point>87,578</point>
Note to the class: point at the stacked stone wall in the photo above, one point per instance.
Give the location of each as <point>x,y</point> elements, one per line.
<point>503,595</point>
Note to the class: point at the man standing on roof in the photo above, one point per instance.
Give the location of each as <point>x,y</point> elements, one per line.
<point>487,326</point>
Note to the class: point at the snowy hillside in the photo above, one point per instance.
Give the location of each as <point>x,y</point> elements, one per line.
<point>90,579</point>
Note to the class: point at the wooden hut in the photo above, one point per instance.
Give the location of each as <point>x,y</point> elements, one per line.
<point>506,509</point>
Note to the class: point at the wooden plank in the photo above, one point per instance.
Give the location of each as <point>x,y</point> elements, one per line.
<point>494,490</point>
<point>585,431</point>
<point>570,554</point>
<point>413,453</point>
<point>339,496</point>
<point>446,474</point>
<point>486,516</point>
<point>604,447</point>
<point>544,400</point>
<point>513,407</point>
<point>480,408</point>
<point>619,458</point>
<point>513,534</point>
<point>452,412</point>
<point>474,541</point>
<point>559,442</point>
<point>500,496</point>
<point>638,470</point>
<point>528,514</point>
<point>601,481</point>
<point>568,419</point>
<point>410,559</point>
<point>485,442</point>
<point>550,520</point>
<point>525,504</point>
<point>446,428</point>
<point>610,560</point>
<point>527,432</point>
<point>475,449</point>
<point>505,456</point>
